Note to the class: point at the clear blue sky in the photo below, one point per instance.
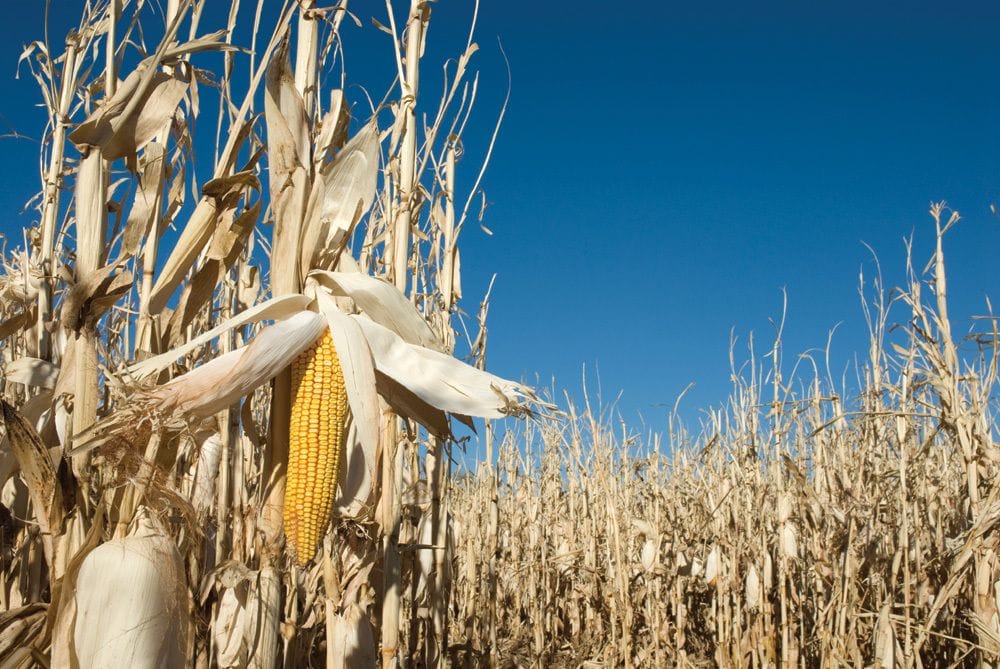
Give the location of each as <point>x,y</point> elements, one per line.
<point>664,171</point>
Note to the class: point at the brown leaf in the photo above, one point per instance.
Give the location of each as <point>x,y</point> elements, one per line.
<point>38,473</point>
<point>124,124</point>
<point>91,297</point>
<point>17,323</point>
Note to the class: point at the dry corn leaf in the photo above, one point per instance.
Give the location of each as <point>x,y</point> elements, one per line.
<point>197,232</point>
<point>456,275</point>
<point>17,323</point>
<point>885,640</point>
<point>333,128</point>
<point>275,309</point>
<point>287,154</point>
<point>145,101</point>
<point>147,201</point>
<point>347,190</point>
<point>8,463</point>
<point>38,473</point>
<point>90,197</point>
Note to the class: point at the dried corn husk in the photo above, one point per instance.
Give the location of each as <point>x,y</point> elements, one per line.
<point>132,603</point>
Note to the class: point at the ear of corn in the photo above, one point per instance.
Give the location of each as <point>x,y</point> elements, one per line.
<point>319,414</point>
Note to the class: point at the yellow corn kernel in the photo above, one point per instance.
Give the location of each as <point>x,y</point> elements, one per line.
<point>319,415</point>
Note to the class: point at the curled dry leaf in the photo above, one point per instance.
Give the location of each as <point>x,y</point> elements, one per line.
<point>20,630</point>
<point>202,224</point>
<point>643,528</point>
<point>93,295</point>
<point>346,190</point>
<point>133,116</point>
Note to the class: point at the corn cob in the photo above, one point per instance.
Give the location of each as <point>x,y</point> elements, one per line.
<point>318,417</point>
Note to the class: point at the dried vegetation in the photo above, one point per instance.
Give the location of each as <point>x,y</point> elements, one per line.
<point>149,317</point>
<point>798,528</point>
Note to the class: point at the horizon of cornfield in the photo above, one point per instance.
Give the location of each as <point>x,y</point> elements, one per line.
<point>230,403</point>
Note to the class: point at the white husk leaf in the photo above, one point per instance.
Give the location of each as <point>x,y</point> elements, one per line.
<point>648,555</point>
<point>209,457</point>
<point>353,641</point>
<point>752,588</point>
<point>263,606</point>
<point>228,626</point>
<point>712,566</point>
<point>439,379</point>
<point>789,544</point>
<point>32,372</point>
<point>361,445</point>
<point>277,308</point>
<point>131,603</point>
<point>382,302</point>
<point>784,508</point>
<point>220,382</point>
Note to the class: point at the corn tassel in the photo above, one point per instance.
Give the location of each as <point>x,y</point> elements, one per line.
<point>319,415</point>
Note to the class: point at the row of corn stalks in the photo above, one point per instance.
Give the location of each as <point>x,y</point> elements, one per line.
<point>802,526</point>
<point>168,486</point>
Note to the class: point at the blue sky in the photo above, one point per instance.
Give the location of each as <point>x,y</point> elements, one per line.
<point>663,172</point>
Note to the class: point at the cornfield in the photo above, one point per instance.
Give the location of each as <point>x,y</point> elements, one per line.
<point>230,405</point>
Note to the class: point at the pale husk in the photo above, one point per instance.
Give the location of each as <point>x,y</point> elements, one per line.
<point>131,604</point>
<point>441,380</point>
